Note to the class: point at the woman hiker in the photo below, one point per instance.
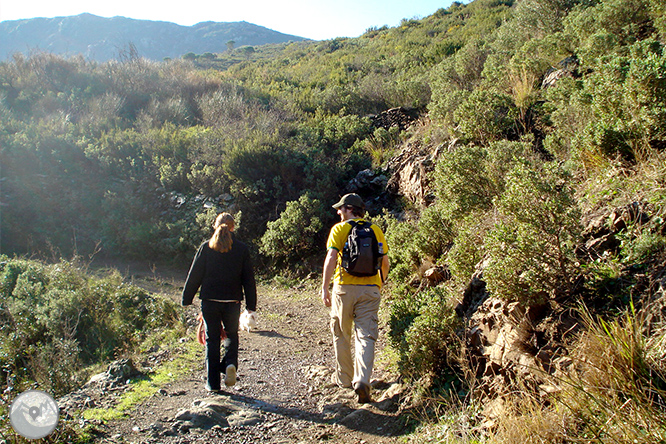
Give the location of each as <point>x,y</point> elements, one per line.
<point>222,269</point>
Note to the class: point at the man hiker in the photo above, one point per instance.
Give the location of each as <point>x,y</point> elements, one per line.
<point>355,298</point>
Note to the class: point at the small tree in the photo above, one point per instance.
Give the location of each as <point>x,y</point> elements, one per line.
<point>531,247</point>
<point>291,236</point>
<point>422,330</point>
<point>247,51</point>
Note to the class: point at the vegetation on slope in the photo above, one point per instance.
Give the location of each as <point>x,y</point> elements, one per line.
<point>60,322</point>
<point>139,156</point>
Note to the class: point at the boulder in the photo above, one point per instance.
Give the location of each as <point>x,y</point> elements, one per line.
<point>118,373</point>
<point>122,369</point>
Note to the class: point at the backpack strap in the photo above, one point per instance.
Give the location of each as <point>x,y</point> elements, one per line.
<point>356,223</point>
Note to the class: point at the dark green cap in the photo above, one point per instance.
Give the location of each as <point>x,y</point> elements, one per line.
<point>350,199</point>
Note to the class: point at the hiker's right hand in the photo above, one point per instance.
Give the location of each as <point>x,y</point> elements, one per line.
<point>326,296</point>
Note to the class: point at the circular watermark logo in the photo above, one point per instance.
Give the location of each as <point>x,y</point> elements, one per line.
<point>34,414</point>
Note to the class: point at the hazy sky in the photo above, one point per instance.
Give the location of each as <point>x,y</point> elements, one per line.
<point>314,19</point>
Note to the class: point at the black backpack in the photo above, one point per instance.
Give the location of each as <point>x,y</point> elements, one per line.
<point>361,255</point>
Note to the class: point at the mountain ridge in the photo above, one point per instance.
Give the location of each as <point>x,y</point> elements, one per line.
<point>103,39</point>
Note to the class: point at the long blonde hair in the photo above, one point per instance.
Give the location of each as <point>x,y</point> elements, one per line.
<point>221,240</point>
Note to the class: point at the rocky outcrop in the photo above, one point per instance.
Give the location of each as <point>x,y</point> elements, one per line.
<point>511,342</point>
<point>400,117</point>
<point>514,347</point>
<point>218,411</point>
<point>410,171</point>
<point>603,226</point>
<point>566,68</point>
<point>367,183</point>
<point>407,173</point>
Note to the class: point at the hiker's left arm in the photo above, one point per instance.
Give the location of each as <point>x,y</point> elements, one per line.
<point>194,278</point>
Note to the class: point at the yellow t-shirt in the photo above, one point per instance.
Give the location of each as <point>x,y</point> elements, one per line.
<point>336,240</point>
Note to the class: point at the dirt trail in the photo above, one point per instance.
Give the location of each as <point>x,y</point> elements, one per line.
<point>283,394</point>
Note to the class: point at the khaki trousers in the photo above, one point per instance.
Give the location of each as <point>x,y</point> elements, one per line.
<point>357,306</point>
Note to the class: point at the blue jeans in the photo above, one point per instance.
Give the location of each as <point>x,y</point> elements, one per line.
<point>216,315</point>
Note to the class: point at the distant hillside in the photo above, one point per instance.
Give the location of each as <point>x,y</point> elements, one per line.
<point>102,39</point>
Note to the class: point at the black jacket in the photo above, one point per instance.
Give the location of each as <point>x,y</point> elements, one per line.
<point>222,276</point>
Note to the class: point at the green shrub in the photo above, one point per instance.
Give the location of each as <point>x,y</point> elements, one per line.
<point>334,133</point>
<point>468,246</point>
<point>628,104</point>
<point>56,320</point>
<point>453,79</point>
<point>403,252</point>
<point>435,233</point>
<point>423,330</point>
<point>605,27</point>
<point>461,183</point>
<point>293,235</point>
<point>486,116</point>
<point>658,14</point>
<point>470,177</point>
<point>542,17</point>
<point>644,241</point>
<point>531,246</point>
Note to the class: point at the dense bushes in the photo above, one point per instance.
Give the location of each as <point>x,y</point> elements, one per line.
<point>56,320</point>
<point>424,328</point>
<point>105,153</point>
<point>112,164</point>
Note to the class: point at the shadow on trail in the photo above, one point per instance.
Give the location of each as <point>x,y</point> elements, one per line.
<point>271,334</point>
<point>373,419</point>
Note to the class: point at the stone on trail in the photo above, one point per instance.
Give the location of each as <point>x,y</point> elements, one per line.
<point>223,412</point>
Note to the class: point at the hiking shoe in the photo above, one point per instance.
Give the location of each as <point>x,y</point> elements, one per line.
<point>230,375</point>
<point>363,392</point>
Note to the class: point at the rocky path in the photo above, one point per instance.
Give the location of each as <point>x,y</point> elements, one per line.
<point>283,394</point>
